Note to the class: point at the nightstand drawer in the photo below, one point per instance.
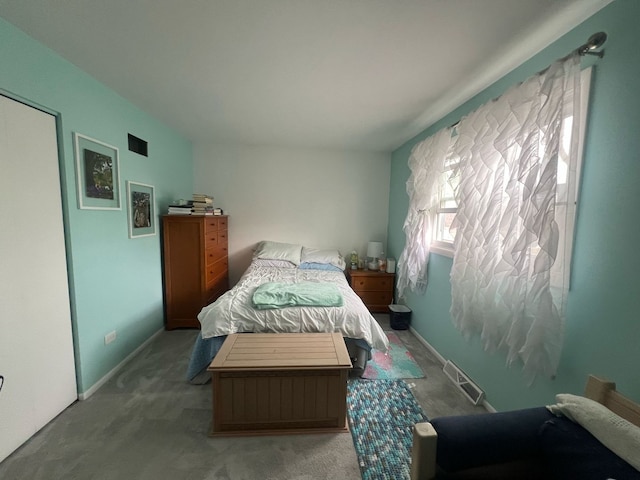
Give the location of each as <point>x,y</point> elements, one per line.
<point>376,298</point>
<point>372,283</point>
<point>374,288</point>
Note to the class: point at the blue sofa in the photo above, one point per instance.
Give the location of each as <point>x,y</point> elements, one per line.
<point>521,444</point>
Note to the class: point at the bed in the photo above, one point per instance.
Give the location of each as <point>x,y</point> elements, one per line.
<point>595,436</point>
<point>288,267</point>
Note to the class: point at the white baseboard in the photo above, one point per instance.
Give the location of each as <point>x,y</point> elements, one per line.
<point>94,388</point>
<point>442,361</point>
<point>429,347</point>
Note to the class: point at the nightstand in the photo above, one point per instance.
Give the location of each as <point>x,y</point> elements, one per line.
<point>374,288</point>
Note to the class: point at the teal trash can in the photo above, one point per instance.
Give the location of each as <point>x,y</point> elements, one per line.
<point>400,317</point>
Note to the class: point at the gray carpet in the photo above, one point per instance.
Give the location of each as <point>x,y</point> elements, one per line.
<point>149,423</point>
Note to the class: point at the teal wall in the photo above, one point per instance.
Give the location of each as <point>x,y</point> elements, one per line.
<point>602,331</point>
<point>116,282</point>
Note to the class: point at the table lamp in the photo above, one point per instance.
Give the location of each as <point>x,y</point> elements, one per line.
<point>374,252</point>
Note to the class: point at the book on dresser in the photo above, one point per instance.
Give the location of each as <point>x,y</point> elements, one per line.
<point>202,204</point>
<point>179,210</point>
<point>202,197</point>
<point>195,266</point>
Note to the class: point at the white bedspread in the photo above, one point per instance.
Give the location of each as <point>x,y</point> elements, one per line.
<point>233,311</point>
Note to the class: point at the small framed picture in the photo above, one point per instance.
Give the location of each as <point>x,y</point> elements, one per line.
<point>97,174</point>
<point>142,210</point>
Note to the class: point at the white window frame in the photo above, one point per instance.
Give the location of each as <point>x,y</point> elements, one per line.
<point>438,244</point>
<point>444,247</point>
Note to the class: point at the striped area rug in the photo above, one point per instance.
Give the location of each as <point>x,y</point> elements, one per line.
<point>381,418</point>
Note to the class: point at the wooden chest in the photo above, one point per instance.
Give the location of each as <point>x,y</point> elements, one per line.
<point>275,383</point>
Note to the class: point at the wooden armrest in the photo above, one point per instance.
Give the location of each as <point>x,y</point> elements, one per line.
<point>604,392</point>
<point>423,453</point>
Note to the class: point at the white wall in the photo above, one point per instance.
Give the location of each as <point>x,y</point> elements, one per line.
<point>317,198</point>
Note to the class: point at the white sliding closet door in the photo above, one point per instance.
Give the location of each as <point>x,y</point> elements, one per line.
<point>36,348</point>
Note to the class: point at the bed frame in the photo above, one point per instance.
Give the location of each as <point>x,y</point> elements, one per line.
<point>425,437</point>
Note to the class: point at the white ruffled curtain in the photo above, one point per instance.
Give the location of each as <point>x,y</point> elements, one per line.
<point>508,234</point>
<point>426,164</point>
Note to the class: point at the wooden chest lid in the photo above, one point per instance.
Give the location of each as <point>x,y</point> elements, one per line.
<point>278,351</point>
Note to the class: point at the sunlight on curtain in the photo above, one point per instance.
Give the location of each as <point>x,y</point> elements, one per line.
<point>507,223</point>
<point>426,164</point>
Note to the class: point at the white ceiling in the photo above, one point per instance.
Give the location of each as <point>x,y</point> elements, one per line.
<point>340,74</point>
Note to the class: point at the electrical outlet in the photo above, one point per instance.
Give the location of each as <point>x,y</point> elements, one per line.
<point>109,337</point>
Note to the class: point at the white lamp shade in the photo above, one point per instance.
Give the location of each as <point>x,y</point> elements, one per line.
<point>374,250</point>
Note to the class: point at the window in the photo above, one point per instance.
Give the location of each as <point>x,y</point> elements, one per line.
<point>566,200</point>
<point>511,196</point>
<point>447,207</point>
<point>443,235</point>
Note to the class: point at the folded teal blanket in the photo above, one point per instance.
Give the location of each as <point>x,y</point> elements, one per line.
<point>308,294</point>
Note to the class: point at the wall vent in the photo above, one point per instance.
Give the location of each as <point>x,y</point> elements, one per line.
<point>138,145</point>
<point>463,382</point>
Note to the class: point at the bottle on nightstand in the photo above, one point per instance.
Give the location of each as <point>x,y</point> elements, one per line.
<point>354,260</point>
<point>382,263</point>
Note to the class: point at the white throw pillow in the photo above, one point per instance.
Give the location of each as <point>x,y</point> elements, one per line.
<point>279,251</point>
<point>316,255</point>
<point>267,262</point>
<point>614,432</point>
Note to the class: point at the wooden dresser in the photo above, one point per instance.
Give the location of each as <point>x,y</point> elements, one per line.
<point>374,288</point>
<point>196,266</point>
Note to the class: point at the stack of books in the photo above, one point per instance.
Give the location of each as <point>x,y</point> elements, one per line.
<point>181,208</point>
<point>202,204</point>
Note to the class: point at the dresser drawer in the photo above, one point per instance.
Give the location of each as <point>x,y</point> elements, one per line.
<point>212,224</point>
<point>211,239</point>
<point>215,223</point>
<point>222,237</point>
<point>214,254</point>
<point>219,285</point>
<point>216,270</point>
<point>216,288</point>
<point>372,283</point>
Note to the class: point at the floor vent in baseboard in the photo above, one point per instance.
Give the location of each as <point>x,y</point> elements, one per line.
<point>464,383</point>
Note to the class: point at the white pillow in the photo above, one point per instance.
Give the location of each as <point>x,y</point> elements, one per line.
<point>316,255</point>
<point>614,432</point>
<point>267,262</point>
<point>279,251</point>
